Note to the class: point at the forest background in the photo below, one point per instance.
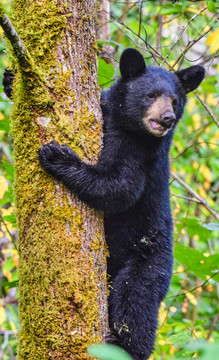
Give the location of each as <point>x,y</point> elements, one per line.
<point>173,34</point>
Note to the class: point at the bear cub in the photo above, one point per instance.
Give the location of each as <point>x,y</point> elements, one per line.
<point>130,184</point>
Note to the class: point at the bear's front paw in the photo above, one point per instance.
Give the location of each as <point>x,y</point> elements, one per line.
<point>56,159</point>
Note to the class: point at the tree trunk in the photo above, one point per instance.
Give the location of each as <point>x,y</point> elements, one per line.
<point>62,291</point>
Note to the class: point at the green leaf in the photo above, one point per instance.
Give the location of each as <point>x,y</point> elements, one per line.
<point>212,7</point>
<point>194,227</point>
<point>169,327</point>
<point>197,263</point>
<point>209,351</point>
<point>10,284</point>
<point>107,352</point>
<point>10,218</point>
<point>105,73</point>
<point>8,265</point>
<point>5,125</point>
<point>9,169</point>
<point>184,354</point>
<point>199,322</point>
<point>171,9</point>
<point>180,339</point>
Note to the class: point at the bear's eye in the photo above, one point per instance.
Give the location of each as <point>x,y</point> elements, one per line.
<point>174,102</point>
<point>152,95</point>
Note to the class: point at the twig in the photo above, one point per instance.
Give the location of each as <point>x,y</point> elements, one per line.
<point>195,288</point>
<point>213,326</point>
<point>182,31</point>
<point>197,196</point>
<point>195,144</point>
<point>160,28</point>
<point>186,198</point>
<point>14,39</point>
<point>190,44</point>
<point>206,108</point>
<point>8,231</point>
<point>146,43</point>
<point>140,18</point>
<point>174,297</point>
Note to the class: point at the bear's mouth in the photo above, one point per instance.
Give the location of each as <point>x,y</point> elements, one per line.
<point>157,126</point>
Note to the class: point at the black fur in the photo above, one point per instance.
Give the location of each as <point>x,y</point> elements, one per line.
<point>7,82</point>
<point>130,183</point>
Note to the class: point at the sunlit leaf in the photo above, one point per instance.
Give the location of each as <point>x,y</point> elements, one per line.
<point>213,41</point>
<point>2,315</point>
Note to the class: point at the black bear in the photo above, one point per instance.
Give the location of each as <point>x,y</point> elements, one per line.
<point>130,183</point>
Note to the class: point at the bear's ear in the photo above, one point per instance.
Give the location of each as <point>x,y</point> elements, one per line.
<point>191,77</point>
<point>131,64</point>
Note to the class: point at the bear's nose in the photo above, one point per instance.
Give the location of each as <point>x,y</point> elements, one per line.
<point>168,118</point>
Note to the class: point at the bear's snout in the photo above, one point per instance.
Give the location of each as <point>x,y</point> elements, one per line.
<point>167,119</point>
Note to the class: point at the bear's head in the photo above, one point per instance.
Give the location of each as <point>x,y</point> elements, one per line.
<point>151,99</point>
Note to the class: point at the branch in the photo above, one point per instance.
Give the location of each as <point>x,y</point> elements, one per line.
<point>11,34</point>
<point>213,326</point>
<point>206,108</point>
<point>190,44</point>
<point>8,231</point>
<point>197,196</point>
<point>186,198</point>
<point>182,31</point>
<point>195,288</point>
<point>174,297</point>
<point>195,144</point>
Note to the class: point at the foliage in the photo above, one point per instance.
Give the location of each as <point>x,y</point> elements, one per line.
<point>108,352</point>
<point>174,35</point>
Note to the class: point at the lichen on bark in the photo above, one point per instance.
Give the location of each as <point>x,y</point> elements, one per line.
<point>62,254</point>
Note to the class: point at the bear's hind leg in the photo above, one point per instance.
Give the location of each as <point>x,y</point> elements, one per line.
<point>133,308</point>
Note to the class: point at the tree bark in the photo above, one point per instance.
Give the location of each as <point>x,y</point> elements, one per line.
<point>62,269</point>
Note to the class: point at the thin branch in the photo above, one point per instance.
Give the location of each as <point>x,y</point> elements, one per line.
<point>140,18</point>
<point>186,198</point>
<point>197,196</point>
<point>216,319</point>
<point>206,108</point>
<point>194,144</point>
<point>146,43</point>
<point>190,44</point>
<point>195,288</point>
<point>174,297</point>
<point>182,31</point>
<point>8,231</point>
<point>12,36</point>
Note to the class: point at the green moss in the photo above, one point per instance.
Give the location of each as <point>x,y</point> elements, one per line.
<point>58,274</point>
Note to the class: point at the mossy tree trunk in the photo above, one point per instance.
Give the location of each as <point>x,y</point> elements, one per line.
<point>62,291</point>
